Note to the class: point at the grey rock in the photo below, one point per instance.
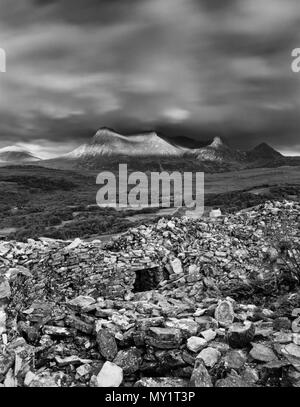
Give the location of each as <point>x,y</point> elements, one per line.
<point>210,356</point>
<point>161,382</point>
<point>235,359</point>
<point>195,344</point>
<point>110,375</point>
<point>233,380</point>
<point>107,344</point>
<point>262,353</point>
<point>200,376</point>
<point>164,338</point>
<point>129,360</point>
<point>5,291</point>
<point>224,313</point>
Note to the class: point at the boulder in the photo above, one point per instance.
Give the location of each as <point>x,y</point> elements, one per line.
<point>292,349</point>
<point>196,344</point>
<point>210,356</point>
<point>107,344</point>
<point>282,323</point>
<point>233,380</point>
<point>235,359</point>
<point>110,375</point>
<point>6,362</point>
<point>209,334</point>
<point>45,379</point>
<point>176,266</point>
<point>128,360</point>
<point>5,291</point>
<point>188,326</point>
<point>164,338</point>
<point>296,325</point>
<point>82,302</point>
<point>262,353</point>
<point>200,376</point>
<point>224,313</point>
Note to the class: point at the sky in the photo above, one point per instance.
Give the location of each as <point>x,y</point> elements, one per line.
<point>192,68</point>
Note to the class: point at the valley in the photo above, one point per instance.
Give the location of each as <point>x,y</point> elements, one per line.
<point>60,204</point>
<point>56,198</point>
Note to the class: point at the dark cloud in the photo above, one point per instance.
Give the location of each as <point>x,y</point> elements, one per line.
<point>182,67</point>
<point>88,11</point>
<point>77,12</point>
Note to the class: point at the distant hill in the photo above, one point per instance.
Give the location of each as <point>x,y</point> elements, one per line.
<point>16,154</point>
<point>263,152</point>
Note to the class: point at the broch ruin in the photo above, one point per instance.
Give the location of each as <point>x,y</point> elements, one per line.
<point>182,302</point>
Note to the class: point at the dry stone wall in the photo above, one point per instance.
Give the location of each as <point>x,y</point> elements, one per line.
<point>108,274</point>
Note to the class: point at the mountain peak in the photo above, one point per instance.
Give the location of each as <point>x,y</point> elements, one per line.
<point>14,148</point>
<point>104,134</point>
<point>16,153</point>
<point>218,151</point>
<point>264,147</point>
<point>217,143</point>
<point>107,142</point>
<point>264,151</point>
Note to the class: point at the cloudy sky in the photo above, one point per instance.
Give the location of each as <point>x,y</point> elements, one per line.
<point>194,68</point>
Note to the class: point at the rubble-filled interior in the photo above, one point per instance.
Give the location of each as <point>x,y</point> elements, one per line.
<point>181,302</point>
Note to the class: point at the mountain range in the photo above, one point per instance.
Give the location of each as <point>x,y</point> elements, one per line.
<point>148,150</point>
<point>108,143</point>
<point>108,147</point>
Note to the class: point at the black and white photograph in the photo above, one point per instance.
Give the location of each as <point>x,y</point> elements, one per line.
<point>150,196</point>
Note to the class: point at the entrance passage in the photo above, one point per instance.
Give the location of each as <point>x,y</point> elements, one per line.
<point>148,279</point>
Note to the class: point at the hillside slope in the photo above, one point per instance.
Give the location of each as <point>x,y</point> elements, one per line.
<point>106,142</point>
<point>16,154</point>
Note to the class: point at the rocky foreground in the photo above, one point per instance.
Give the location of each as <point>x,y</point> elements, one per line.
<point>183,302</point>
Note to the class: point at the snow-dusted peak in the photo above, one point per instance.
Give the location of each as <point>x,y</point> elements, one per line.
<point>217,143</point>
<point>15,154</point>
<point>107,142</point>
<point>15,149</point>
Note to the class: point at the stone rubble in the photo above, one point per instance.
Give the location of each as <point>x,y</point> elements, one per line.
<point>183,302</point>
